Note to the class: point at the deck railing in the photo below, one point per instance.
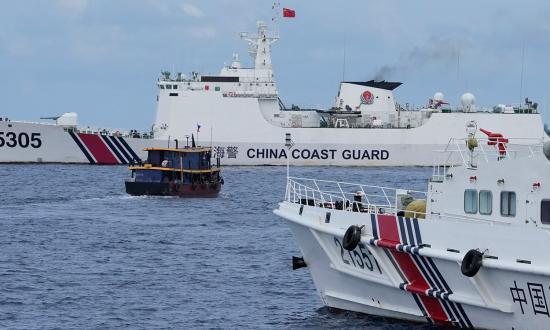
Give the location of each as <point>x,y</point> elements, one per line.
<point>375,199</point>
<point>347,196</point>
<point>457,153</point>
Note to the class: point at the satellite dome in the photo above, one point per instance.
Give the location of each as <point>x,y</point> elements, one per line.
<point>439,96</point>
<point>468,102</point>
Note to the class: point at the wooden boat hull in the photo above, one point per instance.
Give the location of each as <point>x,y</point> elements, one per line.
<point>172,189</point>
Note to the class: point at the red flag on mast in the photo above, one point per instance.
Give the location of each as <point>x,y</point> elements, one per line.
<point>289,12</point>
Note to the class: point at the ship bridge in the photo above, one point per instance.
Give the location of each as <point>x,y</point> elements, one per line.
<point>233,79</point>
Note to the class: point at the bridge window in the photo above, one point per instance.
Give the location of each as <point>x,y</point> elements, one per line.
<point>485,202</point>
<point>470,201</point>
<point>545,211</point>
<point>161,86</point>
<point>508,203</point>
<point>168,86</point>
<point>175,86</point>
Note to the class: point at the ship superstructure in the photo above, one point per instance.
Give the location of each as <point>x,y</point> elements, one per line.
<point>366,126</point>
<point>239,113</point>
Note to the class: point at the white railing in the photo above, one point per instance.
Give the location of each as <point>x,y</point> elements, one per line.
<point>457,153</point>
<point>375,199</point>
<point>347,196</point>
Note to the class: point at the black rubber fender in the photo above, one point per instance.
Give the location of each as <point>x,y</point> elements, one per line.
<point>471,263</point>
<point>352,237</point>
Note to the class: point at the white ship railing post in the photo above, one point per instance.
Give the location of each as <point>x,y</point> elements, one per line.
<point>288,144</point>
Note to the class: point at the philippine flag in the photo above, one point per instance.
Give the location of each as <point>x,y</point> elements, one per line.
<point>198,128</point>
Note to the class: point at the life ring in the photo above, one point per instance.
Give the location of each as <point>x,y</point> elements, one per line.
<point>352,237</point>
<point>471,263</point>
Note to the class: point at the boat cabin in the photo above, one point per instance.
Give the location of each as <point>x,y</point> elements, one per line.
<point>171,171</point>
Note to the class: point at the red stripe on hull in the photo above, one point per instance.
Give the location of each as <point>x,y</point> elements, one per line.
<point>101,153</point>
<point>410,270</point>
<point>386,244</point>
<point>388,228</point>
<point>434,308</point>
<point>389,234</point>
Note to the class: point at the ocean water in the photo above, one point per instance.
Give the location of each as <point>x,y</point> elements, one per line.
<point>77,252</point>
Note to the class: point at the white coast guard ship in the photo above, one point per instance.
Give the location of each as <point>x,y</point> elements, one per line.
<point>63,141</point>
<point>365,127</point>
<point>469,252</point>
<point>240,114</point>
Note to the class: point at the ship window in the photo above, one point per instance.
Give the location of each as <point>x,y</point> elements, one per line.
<point>508,203</point>
<point>175,86</point>
<point>545,211</point>
<point>485,202</point>
<point>168,86</point>
<point>161,86</point>
<point>470,201</point>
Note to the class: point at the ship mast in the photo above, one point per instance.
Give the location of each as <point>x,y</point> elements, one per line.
<point>260,49</point>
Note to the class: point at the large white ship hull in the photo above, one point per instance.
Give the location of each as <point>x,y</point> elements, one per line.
<point>261,143</point>
<point>22,142</point>
<point>247,138</point>
<point>425,284</point>
<point>239,114</point>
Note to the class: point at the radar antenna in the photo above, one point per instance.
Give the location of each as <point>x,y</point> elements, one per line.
<point>260,45</point>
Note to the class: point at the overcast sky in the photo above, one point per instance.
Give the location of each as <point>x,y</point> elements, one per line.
<point>101,58</point>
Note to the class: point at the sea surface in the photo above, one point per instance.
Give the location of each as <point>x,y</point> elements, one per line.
<point>76,252</point>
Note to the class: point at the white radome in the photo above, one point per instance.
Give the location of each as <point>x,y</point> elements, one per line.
<point>468,102</point>
<point>439,96</point>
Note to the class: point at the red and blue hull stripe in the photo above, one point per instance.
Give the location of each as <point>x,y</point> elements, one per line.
<point>104,149</point>
<point>401,239</point>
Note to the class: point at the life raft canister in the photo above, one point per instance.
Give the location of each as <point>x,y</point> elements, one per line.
<point>471,263</point>
<point>352,237</point>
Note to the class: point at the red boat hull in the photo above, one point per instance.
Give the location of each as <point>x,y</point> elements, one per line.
<point>172,189</point>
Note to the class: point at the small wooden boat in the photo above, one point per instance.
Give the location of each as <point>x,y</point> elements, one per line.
<point>183,172</point>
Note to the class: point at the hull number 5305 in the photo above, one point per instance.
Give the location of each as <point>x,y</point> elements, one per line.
<point>23,140</point>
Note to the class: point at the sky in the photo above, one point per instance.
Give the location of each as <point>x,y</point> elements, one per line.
<point>101,58</point>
